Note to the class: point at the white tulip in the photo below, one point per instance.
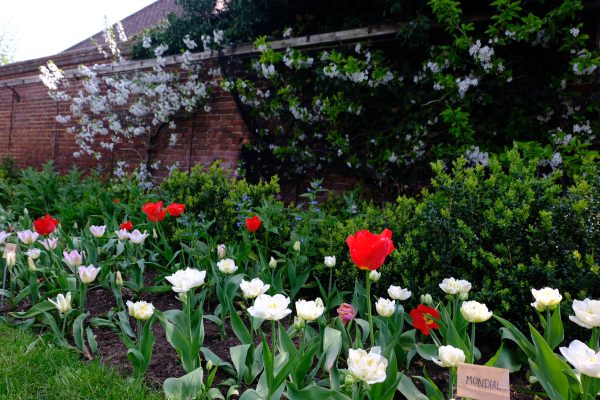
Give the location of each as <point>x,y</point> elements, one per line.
<point>27,237</point>
<point>98,230</point>
<point>449,357</point>
<point>33,253</point>
<point>374,276</point>
<point>453,286</point>
<point>221,251</point>
<point>62,303</point>
<point>329,261</point>
<point>587,313</point>
<point>186,279</point>
<point>3,236</point>
<point>122,234</point>
<point>49,244</point>
<point>138,237</point>
<point>227,266</point>
<point>310,310</point>
<point>473,311</point>
<point>253,288</point>
<point>584,359</point>
<point>140,310</point>
<point>88,274</point>
<point>397,293</point>
<point>385,307</point>
<point>546,298</point>
<point>297,245</point>
<point>73,259</point>
<point>272,308</point>
<point>369,367</point>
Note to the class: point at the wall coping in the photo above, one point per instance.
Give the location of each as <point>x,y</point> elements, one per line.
<point>246,49</point>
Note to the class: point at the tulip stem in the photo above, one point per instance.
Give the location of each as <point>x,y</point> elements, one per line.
<point>451,383</point>
<point>369,309</point>
<point>82,296</point>
<point>548,331</point>
<point>594,345</point>
<point>472,342</point>
<point>273,337</point>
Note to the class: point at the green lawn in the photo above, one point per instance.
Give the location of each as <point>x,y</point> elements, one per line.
<point>48,372</point>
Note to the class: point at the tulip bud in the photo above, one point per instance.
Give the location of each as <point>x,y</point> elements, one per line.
<point>11,258</point>
<point>463,296</point>
<point>273,263</point>
<point>75,226</point>
<point>349,381</point>
<point>31,264</point>
<point>154,233</point>
<point>25,211</point>
<point>426,299</point>
<point>299,323</point>
<point>209,365</point>
<point>297,245</point>
<point>374,276</point>
<point>119,279</point>
<point>329,261</point>
<point>221,251</point>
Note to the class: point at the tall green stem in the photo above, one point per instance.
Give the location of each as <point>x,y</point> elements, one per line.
<point>472,342</point>
<point>548,331</point>
<point>594,345</point>
<point>273,336</point>
<point>369,310</point>
<point>452,373</point>
<point>82,296</point>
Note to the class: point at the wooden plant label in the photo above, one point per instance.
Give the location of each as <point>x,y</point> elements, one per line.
<point>10,247</point>
<point>482,383</point>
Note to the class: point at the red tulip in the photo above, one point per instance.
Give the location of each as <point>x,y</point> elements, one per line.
<point>127,225</point>
<point>116,200</point>
<point>154,211</point>
<point>422,320</point>
<point>252,224</point>
<point>175,209</point>
<point>45,225</point>
<point>368,250</point>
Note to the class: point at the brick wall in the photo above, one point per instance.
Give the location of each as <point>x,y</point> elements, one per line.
<point>30,134</point>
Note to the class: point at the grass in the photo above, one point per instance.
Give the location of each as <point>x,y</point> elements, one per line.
<point>46,373</point>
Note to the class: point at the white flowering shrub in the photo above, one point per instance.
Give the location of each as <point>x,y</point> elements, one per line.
<point>109,109</point>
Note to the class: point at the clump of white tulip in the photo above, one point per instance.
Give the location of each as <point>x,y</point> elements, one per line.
<point>449,357</point>
<point>271,308</point>
<point>385,307</point>
<point>310,310</point>
<point>398,293</point>
<point>369,367</point>
<point>254,288</point>
<point>140,310</point>
<point>546,298</point>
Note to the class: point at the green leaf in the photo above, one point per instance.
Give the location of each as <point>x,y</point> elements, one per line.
<point>35,310</point>
<point>510,332</point>
<point>78,331</point>
<point>313,392</point>
<point>239,354</point>
<point>548,368</point>
<point>184,388</point>
<point>239,328</point>
<point>332,344</point>
<point>505,358</point>
<point>409,390</point>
